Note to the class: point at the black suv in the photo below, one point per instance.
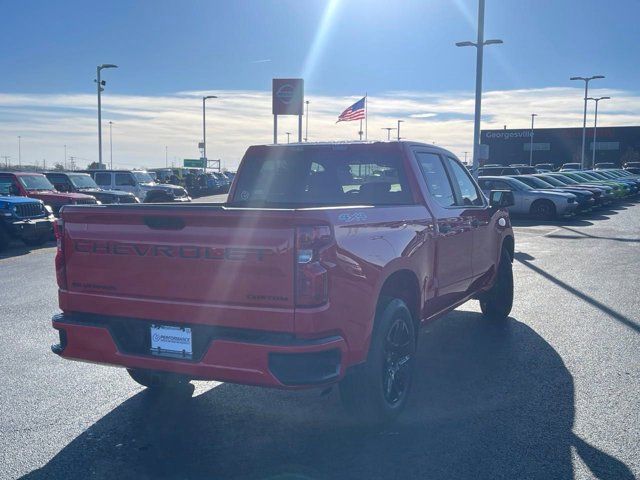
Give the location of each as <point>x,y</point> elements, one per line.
<point>83,183</point>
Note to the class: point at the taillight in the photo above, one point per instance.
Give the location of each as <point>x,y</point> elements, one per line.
<point>61,274</point>
<point>312,279</point>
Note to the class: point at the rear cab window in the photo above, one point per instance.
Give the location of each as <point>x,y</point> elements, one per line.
<point>292,177</point>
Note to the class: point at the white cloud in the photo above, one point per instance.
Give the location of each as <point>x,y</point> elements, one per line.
<point>143,125</point>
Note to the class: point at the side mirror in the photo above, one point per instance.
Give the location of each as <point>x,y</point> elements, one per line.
<point>501,198</point>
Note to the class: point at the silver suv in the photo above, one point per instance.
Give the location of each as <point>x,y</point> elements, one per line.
<point>141,184</point>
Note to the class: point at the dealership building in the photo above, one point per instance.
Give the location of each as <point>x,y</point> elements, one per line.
<point>562,145</point>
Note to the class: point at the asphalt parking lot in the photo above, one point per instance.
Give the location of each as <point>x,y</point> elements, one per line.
<point>552,394</point>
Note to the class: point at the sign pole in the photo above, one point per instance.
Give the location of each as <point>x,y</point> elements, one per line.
<point>275,129</point>
<point>300,128</point>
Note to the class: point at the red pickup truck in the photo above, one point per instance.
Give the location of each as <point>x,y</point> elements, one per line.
<point>319,269</point>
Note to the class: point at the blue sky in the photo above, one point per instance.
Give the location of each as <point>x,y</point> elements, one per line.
<point>171,51</point>
<point>375,45</point>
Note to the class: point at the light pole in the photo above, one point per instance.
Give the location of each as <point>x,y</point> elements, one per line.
<point>166,156</point>
<point>100,84</point>
<point>584,119</point>
<point>288,135</point>
<point>204,126</point>
<point>399,122</point>
<point>19,151</point>
<point>110,146</point>
<point>481,42</point>
<point>388,129</point>
<point>306,120</point>
<point>533,116</point>
<point>595,127</point>
<point>64,164</point>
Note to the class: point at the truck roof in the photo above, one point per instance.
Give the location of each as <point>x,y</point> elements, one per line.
<point>350,143</point>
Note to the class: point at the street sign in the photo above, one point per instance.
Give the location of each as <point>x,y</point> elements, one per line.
<point>195,162</point>
<point>287,96</point>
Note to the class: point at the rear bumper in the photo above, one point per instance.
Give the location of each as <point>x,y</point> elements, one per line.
<point>229,355</point>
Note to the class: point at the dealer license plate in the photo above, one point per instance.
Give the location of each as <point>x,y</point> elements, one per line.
<point>171,341</point>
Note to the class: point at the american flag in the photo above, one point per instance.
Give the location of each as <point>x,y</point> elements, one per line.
<point>354,112</point>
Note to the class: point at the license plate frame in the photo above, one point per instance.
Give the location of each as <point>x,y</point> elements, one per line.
<point>171,341</point>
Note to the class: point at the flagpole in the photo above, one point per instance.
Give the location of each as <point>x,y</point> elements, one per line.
<point>360,131</point>
<point>366,116</point>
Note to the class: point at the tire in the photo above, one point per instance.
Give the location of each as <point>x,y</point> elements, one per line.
<point>376,392</point>
<point>158,381</point>
<point>36,241</point>
<point>4,239</point>
<point>543,210</point>
<point>497,302</point>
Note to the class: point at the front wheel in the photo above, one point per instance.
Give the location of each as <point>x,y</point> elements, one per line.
<point>376,392</point>
<point>497,302</point>
<point>543,210</point>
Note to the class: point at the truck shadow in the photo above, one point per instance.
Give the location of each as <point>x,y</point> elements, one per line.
<point>17,249</point>
<point>490,401</point>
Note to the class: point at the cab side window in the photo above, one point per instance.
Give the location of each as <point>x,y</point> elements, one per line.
<point>125,180</point>
<point>103,179</point>
<point>436,178</point>
<point>467,192</point>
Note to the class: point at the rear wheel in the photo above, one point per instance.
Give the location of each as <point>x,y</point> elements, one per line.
<point>158,381</point>
<point>543,210</point>
<point>376,392</point>
<point>497,302</point>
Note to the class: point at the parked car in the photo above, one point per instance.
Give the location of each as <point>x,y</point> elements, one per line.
<point>608,192</point>
<point>140,184</point>
<point>498,170</point>
<point>36,185</point>
<point>633,167</point>
<point>544,167</point>
<point>223,181</point>
<point>608,175</point>
<point>288,296</point>
<point>604,165</point>
<point>567,167</point>
<point>600,195</point>
<point>23,218</point>
<point>585,199</point>
<point>524,169</point>
<point>541,204</point>
<point>83,183</point>
<point>620,190</point>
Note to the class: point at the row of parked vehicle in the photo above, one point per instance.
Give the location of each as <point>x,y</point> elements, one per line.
<point>197,182</point>
<point>551,195</point>
<point>30,201</point>
<point>522,169</point>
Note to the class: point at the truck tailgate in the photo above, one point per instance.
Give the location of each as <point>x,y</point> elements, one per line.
<point>220,262</point>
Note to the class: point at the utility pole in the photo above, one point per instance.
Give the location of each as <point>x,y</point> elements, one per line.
<point>481,42</point>
<point>399,122</point>
<point>100,84</point>
<point>533,116</point>
<point>6,160</point>
<point>586,81</point>
<point>306,127</point>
